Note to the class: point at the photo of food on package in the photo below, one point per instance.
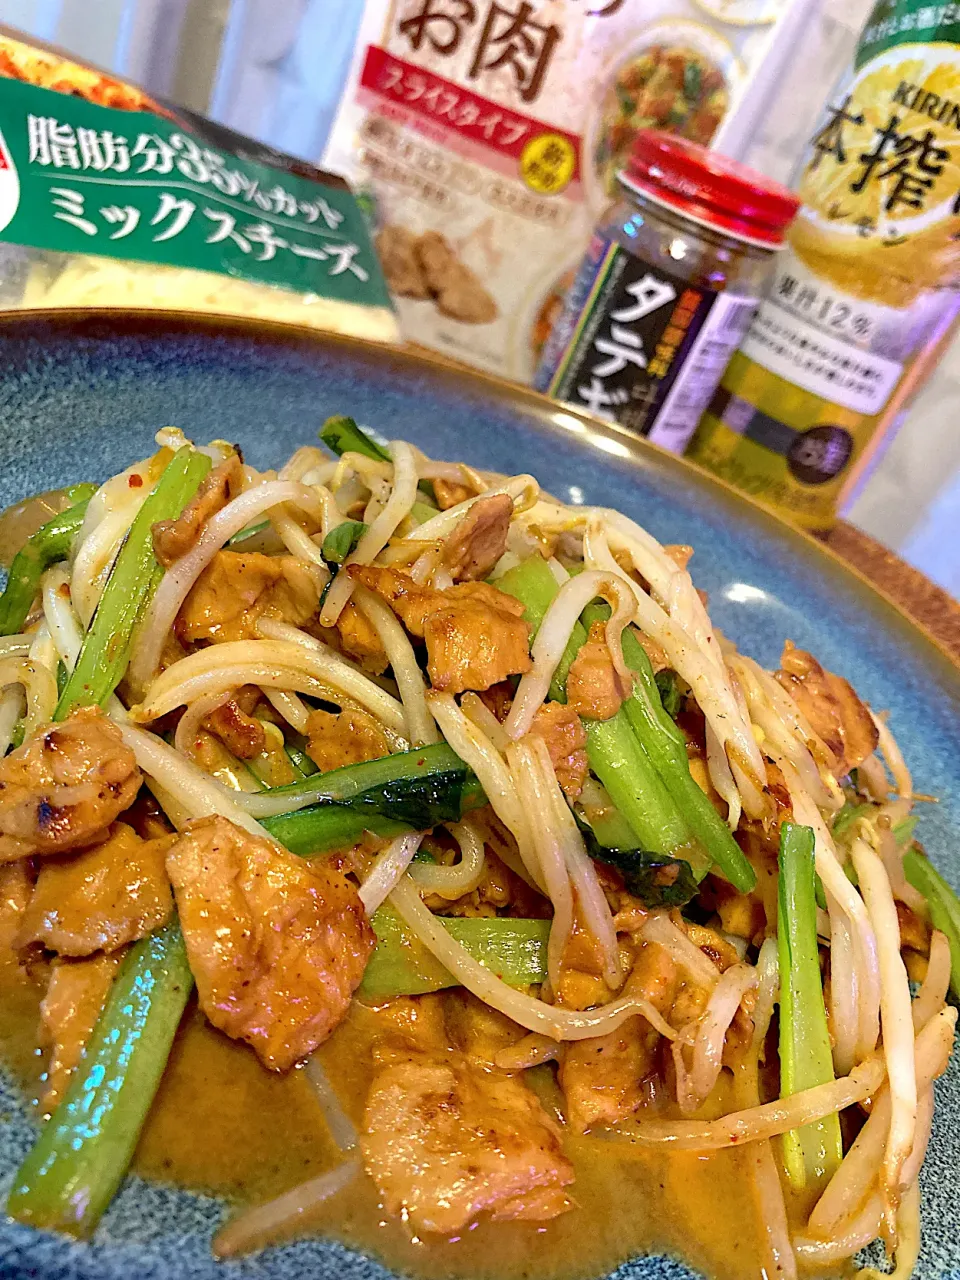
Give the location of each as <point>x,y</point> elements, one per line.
<point>681,82</point>
<point>485,139</point>
<point>48,70</point>
<point>427,266</point>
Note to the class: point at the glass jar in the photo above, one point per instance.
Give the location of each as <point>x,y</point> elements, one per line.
<point>666,290</point>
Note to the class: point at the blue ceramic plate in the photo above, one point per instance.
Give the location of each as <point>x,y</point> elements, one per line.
<point>81,397</point>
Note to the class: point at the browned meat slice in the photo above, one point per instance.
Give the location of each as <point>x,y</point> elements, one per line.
<point>277,945</point>
<point>679,553</point>
<point>714,947</point>
<point>464,298</point>
<point>475,634</point>
<point>412,603</point>
<point>581,983</point>
<point>562,730</point>
<point>357,637</point>
<point>436,257</point>
<point>348,738</point>
<point>174,538</point>
<point>446,1140</point>
<point>479,539</point>
<point>408,1025</point>
<point>102,898</point>
<point>603,1079</point>
<point>16,886</point>
<point>449,493</point>
<point>476,1029</point>
<point>146,817</point>
<point>831,706</point>
<point>396,245</point>
<point>235,590</point>
<point>594,689</point>
<point>498,699</point>
<point>234,724</point>
<point>63,788</point>
<point>457,289</point>
<point>477,640</point>
<point>69,1012</point>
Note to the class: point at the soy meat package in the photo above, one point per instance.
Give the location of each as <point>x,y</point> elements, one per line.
<point>486,136</point>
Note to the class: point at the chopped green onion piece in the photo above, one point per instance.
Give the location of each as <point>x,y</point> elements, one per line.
<point>813,1153</point>
<point>342,435</point>
<point>532,583</point>
<point>849,870</point>
<point>77,1163</point>
<point>943,903</point>
<point>421,512</point>
<point>847,816</point>
<point>251,531</point>
<point>515,950</point>
<point>666,747</point>
<point>133,580</point>
<point>50,543</point>
<point>624,768</point>
<point>342,539</point>
<point>669,690</point>
<point>903,831</point>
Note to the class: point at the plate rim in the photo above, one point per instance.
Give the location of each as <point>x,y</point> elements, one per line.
<point>639,452</point>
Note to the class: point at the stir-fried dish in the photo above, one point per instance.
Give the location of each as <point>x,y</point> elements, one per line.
<point>452,807</point>
<point>665,87</point>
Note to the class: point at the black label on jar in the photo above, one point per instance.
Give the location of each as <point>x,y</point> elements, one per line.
<point>639,346</point>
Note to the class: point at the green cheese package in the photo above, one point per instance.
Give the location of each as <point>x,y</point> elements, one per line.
<point>112,198</point>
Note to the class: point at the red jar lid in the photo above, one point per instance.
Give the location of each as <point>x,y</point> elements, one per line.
<point>709,188</point>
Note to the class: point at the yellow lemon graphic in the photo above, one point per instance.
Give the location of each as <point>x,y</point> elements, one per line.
<point>882,181</point>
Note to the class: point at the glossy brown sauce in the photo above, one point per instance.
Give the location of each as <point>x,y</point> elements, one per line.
<point>224,1125</point>
<point>18,522</point>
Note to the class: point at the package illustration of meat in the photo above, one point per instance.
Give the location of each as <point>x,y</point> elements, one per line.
<point>487,135</point>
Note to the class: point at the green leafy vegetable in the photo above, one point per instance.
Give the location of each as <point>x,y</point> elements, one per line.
<point>646,773</point>
<point>515,950</point>
<point>78,1162</point>
<point>299,758</point>
<point>532,583</point>
<point>813,1153</point>
<point>671,699</point>
<point>342,435</point>
<point>692,82</point>
<point>903,831</point>
<point>341,540</point>
<point>133,579</point>
<point>847,816</point>
<point>656,880</point>
<point>421,512</point>
<point>49,544</point>
<point>624,768</point>
<point>666,748</point>
<point>417,789</point>
<point>943,903</point>
<point>251,531</point>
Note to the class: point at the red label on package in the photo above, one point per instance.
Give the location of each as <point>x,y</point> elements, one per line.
<point>547,157</point>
